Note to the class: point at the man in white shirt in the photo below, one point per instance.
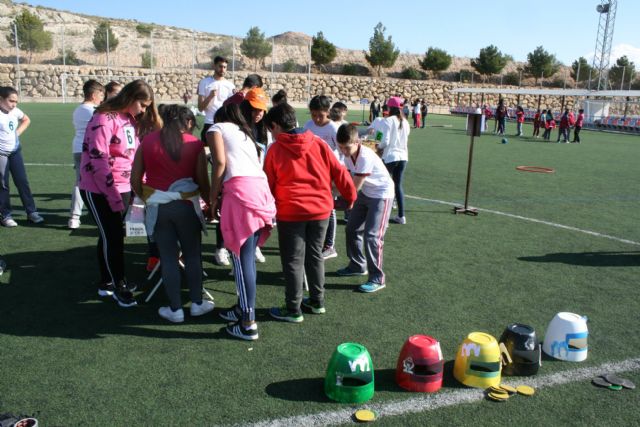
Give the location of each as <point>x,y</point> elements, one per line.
<point>212,92</point>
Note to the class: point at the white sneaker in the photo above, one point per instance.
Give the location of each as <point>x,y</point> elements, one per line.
<point>74,223</point>
<point>203,308</point>
<point>259,257</point>
<point>221,257</point>
<point>398,220</point>
<point>35,218</point>
<point>172,316</point>
<point>9,222</point>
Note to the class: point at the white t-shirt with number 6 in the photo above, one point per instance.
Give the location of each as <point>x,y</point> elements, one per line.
<point>9,123</point>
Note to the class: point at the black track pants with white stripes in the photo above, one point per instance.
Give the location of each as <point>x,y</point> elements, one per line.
<point>110,247</point>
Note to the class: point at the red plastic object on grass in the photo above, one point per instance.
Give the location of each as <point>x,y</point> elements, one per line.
<point>420,364</point>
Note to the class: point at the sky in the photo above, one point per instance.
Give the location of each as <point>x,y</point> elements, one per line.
<point>565,28</point>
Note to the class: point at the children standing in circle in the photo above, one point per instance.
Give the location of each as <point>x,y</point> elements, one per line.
<point>111,140</point>
<point>369,217</point>
<point>174,163</point>
<point>395,154</point>
<point>320,125</point>
<point>13,123</point>
<point>93,96</point>
<point>248,209</point>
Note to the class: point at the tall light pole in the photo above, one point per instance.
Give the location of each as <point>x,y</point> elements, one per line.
<point>15,31</point>
<point>602,56</point>
<point>107,30</point>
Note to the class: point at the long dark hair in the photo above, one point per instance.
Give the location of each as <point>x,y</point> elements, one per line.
<point>259,130</point>
<point>177,119</point>
<point>396,111</point>
<point>231,113</point>
<point>137,90</point>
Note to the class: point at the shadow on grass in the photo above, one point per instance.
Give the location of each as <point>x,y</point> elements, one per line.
<point>590,259</point>
<point>298,390</point>
<point>54,294</point>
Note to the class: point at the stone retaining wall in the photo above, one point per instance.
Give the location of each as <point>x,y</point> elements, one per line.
<point>46,82</point>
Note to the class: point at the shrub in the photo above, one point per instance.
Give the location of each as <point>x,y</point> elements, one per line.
<point>144,30</point>
<point>512,79</point>
<point>289,66</point>
<point>148,60</point>
<point>69,59</point>
<point>413,74</point>
<point>354,70</point>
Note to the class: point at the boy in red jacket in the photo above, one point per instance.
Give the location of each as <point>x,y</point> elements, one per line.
<point>300,168</point>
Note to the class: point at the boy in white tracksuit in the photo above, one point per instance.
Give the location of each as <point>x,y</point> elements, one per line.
<point>369,217</point>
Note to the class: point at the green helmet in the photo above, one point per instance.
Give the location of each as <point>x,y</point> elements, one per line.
<point>349,376</point>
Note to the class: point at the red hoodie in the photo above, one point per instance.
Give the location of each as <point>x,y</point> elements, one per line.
<point>300,168</point>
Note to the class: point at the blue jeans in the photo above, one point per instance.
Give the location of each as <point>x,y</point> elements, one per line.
<point>13,165</point>
<point>396,170</point>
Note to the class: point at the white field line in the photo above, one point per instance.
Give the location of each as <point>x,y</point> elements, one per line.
<point>50,164</point>
<point>538,221</point>
<point>430,402</point>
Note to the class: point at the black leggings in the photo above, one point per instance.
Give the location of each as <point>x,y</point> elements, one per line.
<point>110,248</point>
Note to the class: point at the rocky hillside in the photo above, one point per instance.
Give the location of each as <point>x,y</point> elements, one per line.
<point>173,47</point>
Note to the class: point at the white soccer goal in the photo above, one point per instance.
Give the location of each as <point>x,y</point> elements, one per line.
<point>71,84</point>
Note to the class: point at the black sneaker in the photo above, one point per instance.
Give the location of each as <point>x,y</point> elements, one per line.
<point>232,314</point>
<point>105,289</point>
<point>239,331</point>
<point>285,315</point>
<point>313,307</point>
<point>124,296</point>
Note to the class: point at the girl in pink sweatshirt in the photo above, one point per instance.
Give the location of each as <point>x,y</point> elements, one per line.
<point>108,149</point>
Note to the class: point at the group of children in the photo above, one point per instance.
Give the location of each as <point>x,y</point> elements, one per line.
<point>266,171</point>
<point>541,120</point>
<point>545,119</point>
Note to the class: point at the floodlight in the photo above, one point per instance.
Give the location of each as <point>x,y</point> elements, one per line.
<point>603,8</point>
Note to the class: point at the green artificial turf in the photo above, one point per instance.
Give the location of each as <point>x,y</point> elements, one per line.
<point>74,359</point>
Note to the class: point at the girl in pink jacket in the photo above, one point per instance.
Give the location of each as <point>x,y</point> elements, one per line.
<point>109,146</point>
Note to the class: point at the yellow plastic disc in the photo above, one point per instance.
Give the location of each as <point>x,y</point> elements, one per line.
<point>498,397</point>
<point>365,415</point>
<point>498,391</point>
<point>508,388</point>
<point>525,390</point>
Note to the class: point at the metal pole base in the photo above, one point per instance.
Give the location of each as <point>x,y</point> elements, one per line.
<point>466,211</point>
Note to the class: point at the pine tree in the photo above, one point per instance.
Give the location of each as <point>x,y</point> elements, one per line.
<point>623,69</point>
<point>322,50</point>
<point>100,38</point>
<point>489,61</point>
<point>586,70</point>
<point>382,52</point>
<point>541,63</point>
<point>31,34</point>
<point>255,46</point>
<point>435,60</point>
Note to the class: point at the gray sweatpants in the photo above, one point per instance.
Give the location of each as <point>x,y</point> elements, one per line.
<point>368,222</point>
<point>76,200</point>
<point>178,229</point>
<point>301,255</point>
<point>13,165</point>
